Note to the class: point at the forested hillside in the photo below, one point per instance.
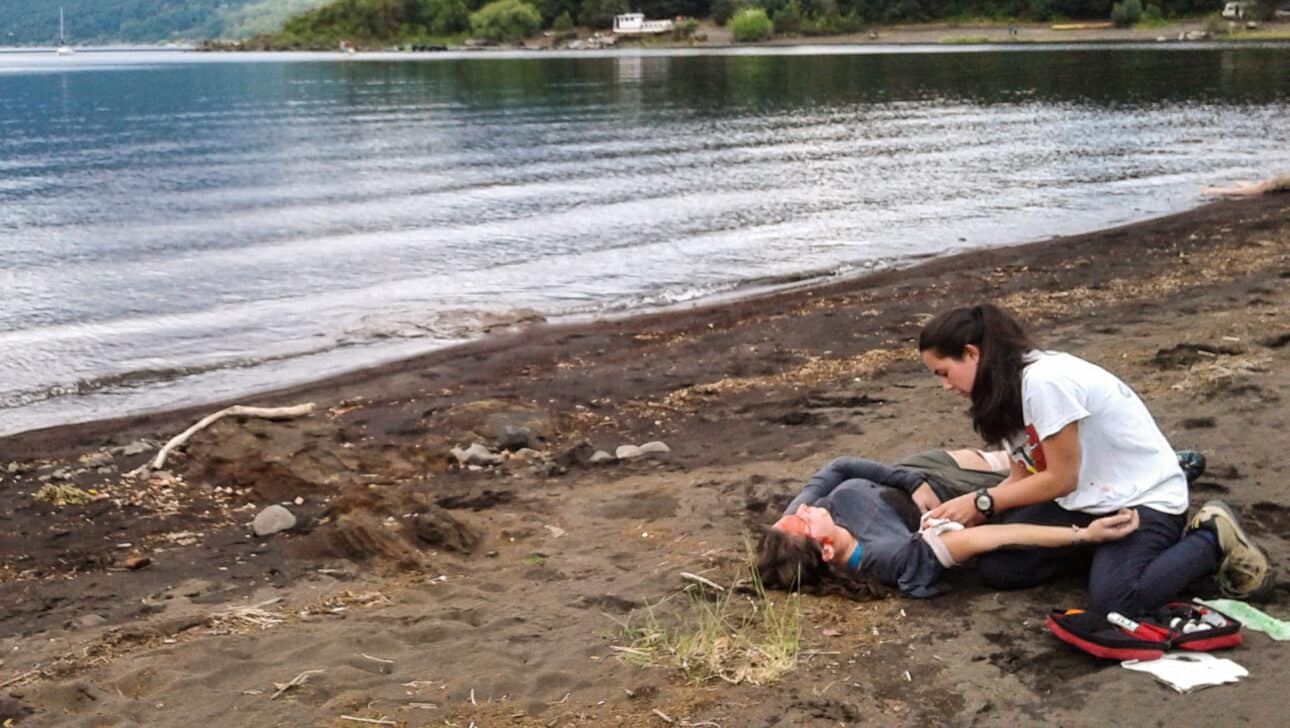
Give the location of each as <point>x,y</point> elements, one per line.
<point>35,22</point>
<point>368,21</point>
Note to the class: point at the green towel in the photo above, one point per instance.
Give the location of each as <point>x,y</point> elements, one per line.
<point>1251,617</point>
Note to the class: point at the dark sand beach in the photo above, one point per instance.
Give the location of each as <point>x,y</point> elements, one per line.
<point>416,592</point>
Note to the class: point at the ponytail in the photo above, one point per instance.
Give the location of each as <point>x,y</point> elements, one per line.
<point>996,390</point>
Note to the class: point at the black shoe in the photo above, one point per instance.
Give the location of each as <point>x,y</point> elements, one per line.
<point>1192,464</point>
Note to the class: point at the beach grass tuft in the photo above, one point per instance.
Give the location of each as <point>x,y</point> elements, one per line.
<point>748,636</point>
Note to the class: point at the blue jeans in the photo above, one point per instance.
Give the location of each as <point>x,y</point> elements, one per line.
<point>1131,576</point>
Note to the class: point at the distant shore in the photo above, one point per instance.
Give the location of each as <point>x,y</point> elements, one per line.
<point>938,33</point>
<point>999,32</point>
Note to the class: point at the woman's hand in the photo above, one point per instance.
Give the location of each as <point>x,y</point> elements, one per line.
<point>1113,527</point>
<point>925,498</point>
<point>961,509</point>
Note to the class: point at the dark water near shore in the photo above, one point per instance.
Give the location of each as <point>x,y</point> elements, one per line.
<point>176,228</point>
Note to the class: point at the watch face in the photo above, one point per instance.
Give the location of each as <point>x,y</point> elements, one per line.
<point>984,502</point>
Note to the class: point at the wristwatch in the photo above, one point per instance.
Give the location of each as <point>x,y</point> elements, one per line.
<point>984,502</point>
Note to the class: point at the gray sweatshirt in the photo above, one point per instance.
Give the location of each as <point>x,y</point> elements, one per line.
<point>851,489</point>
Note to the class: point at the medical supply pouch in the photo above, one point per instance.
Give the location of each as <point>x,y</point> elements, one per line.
<point>1177,625</point>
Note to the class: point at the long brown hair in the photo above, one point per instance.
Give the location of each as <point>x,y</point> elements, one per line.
<point>996,390</point>
<point>793,562</point>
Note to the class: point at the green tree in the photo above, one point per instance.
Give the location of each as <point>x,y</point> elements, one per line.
<point>684,28</point>
<point>600,13</point>
<point>552,9</point>
<point>1126,13</point>
<point>1041,10</point>
<point>444,17</point>
<point>724,10</point>
<point>751,24</point>
<point>505,20</point>
<point>562,23</point>
<point>788,19</point>
<point>1261,9</point>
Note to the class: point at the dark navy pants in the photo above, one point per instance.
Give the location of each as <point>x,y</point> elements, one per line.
<point>1131,576</point>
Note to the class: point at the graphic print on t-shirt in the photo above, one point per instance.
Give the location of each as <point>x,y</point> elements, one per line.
<point>1030,452</point>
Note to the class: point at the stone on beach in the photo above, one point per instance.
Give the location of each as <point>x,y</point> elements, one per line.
<point>96,459</point>
<point>627,452</point>
<point>476,454</point>
<point>515,437</point>
<point>271,520</point>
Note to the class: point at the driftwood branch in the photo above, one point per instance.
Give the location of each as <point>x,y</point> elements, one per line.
<point>700,580</point>
<point>295,682</point>
<point>21,677</point>
<point>268,413</point>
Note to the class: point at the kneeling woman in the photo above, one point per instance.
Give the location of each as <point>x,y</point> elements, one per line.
<point>843,532</point>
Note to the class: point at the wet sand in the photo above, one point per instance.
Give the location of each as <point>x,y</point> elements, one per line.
<point>427,593</point>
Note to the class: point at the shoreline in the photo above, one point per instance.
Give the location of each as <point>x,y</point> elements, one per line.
<point>79,434</point>
<point>521,319</point>
<point>416,591</point>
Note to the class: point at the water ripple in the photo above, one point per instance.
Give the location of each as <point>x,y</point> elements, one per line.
<point>178,230</point>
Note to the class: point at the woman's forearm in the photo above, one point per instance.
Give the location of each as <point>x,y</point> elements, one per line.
<point>969,542</point>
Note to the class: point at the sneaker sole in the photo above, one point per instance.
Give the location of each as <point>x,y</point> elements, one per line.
<point>1269,581</point>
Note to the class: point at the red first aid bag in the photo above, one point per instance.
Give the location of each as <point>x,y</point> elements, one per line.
<point>1177,625</point>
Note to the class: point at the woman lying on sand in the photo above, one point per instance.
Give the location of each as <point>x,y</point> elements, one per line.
<point>845,530</point>
<point>1082,445</point>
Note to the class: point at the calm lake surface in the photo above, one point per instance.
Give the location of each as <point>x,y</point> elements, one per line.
<point>178,227</point>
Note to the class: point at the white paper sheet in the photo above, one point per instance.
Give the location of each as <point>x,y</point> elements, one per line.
<point>1189,671</point>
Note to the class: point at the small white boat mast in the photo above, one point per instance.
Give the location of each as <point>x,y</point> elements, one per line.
<point>63,48</point>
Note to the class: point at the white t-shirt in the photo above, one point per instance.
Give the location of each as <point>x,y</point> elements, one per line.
<point>1124,458</point>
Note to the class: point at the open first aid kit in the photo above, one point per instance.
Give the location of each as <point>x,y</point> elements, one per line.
<point>1175,626</point>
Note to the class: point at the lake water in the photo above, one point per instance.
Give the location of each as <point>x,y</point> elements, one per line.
<point>178,227</point>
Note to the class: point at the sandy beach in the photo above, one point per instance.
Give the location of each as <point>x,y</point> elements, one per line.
<point>414,591</point>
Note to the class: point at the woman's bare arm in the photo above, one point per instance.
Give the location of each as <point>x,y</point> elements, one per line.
<point>970,542</point>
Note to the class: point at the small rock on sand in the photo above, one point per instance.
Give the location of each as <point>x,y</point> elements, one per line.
<point>476,454</point>
<point>626,452</point>
<point>271,520</point>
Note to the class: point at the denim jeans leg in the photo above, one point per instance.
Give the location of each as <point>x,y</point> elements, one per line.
<point>1148,567</point>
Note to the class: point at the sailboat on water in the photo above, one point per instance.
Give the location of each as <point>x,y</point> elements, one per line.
<point>63,48</point>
